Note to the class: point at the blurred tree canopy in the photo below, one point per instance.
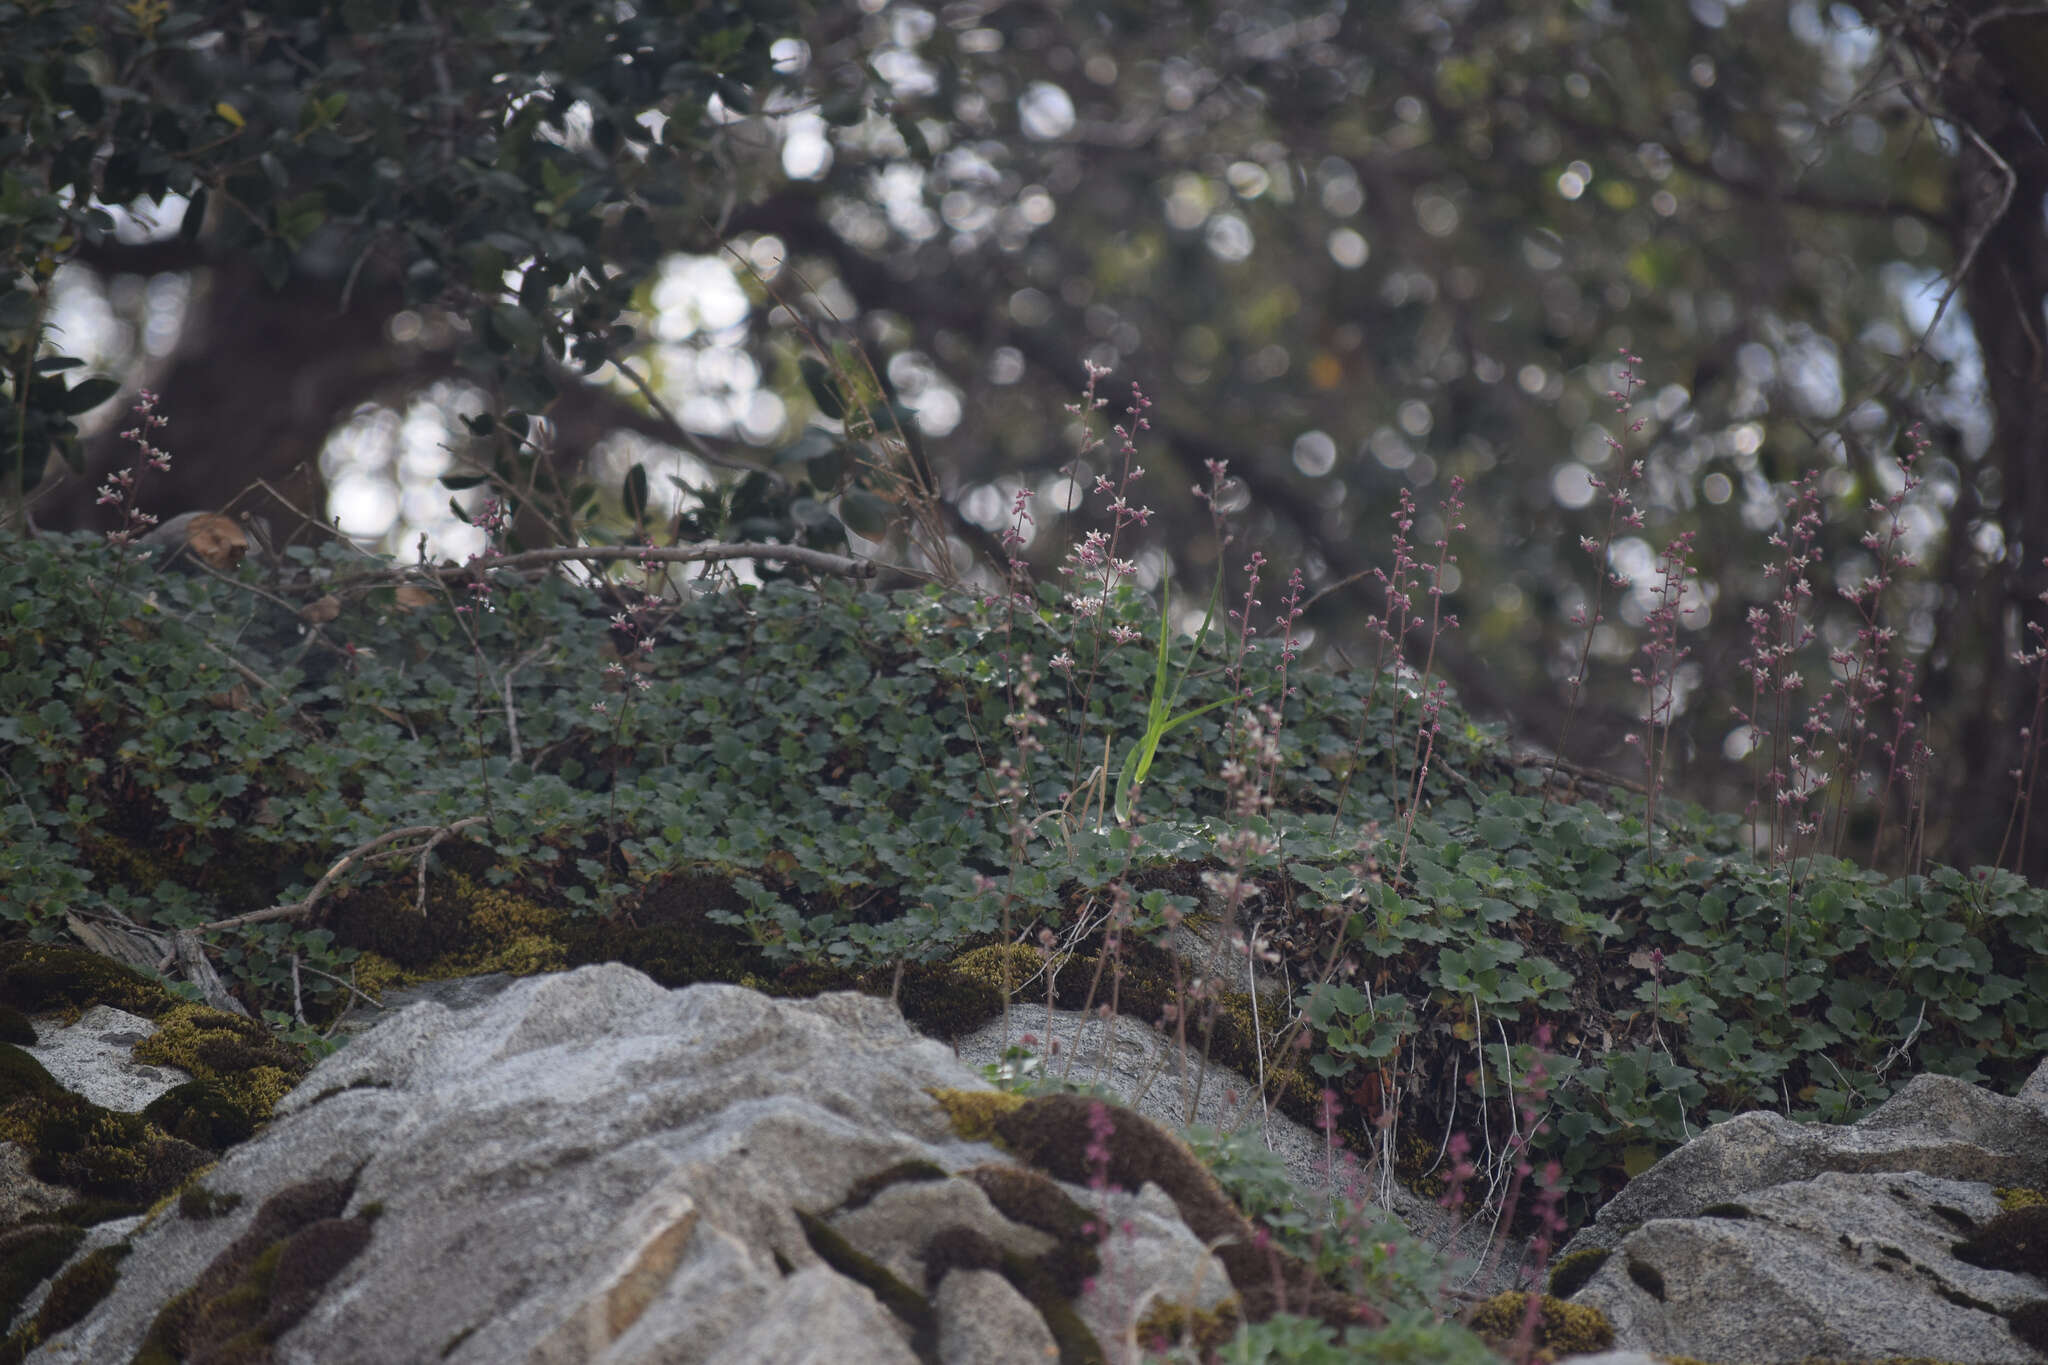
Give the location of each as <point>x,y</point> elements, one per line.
<point>1351,249</point>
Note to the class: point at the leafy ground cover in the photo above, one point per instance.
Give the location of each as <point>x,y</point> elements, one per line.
<point>832,774</point>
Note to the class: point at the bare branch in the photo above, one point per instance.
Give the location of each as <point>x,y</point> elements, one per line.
<point>302,908</point>
<point>673,429</point>
<point>821,560</point>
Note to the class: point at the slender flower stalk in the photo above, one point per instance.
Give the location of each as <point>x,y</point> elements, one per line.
<point>1621,512</point>
<point>122,492</point>
<point>1659,676</point>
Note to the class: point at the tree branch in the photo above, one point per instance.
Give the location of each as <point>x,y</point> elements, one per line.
<point>822,560</point>
<point>301,909</point>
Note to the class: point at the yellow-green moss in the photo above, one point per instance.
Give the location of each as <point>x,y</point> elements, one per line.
<point>1167,1325</point>
<point>2019,1197</point>
<point>375,974</point>
<point>1414,1155</point>
<point>974,1112</point>
<point>100,1152</point>
<point>502,932</point>
<point>250,1067</point>
<point>986,965</point>
<point>1561,1328</point>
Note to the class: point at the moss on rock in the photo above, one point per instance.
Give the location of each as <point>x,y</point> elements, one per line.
<point>1035,1200</point>
<point>909,1306</point>
<point>53,978</point>
<point>200,1204</point>
<point>22,1075</point>
<point>249,1068</point>
<point>99,1152</point>
<point>79,1290</point>
<point>263,1282</point>
<point>1080,1139</point>
<point>1571,1272</point>
<point>2016,1240</point>
<point>1167,1326</point>
<point>1051,1282</point>
<point>15,1027</point>
<point>2029,1322</point>
<point>30,1254</point>
<point>1560,1329</point>
<point>201,1113</point>
<point>867,1188</point>
<point>974,1112</point>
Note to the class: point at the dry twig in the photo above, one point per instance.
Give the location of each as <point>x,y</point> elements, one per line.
<point>301,909</point>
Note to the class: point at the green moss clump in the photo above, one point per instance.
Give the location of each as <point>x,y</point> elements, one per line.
<point>671,936</point>
<point>202,1114</point>
<point>986,965</point>
<point>2029,1322</point>
<point>974,1112</point>
<point>941,1000</point>
<point>1048,1283</point>
<point>958,1248</point>
<point>903,1172</point>
<point>30,1254</point>
<point>48,978</point>
<point>21,1075</point>
<point>954,998</point>
<point>1204,1330</point>
<point>1561,1329</point>
<point>2019,1197</point>
<point>314,1255</point>
<point>99,1152</point>
<point>1570,1274</point>
<point>249,1067</point>
<point>200,1204</point>
<point>78,1290</point>
<point>84,1213</point>
<point>1033,1199</point>
<point>1056,1132</point>
<point>899,1298</point>
<point>15,1027</point>
<point>502,932</point>
<point>2016,1240</point>
<point>261,1283</point>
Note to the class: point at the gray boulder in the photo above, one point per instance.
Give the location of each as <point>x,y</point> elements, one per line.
<point>591,1168</point>
<point>1765,1241</point>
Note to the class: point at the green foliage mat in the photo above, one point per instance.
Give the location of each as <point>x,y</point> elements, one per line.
<point>812,773</point>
